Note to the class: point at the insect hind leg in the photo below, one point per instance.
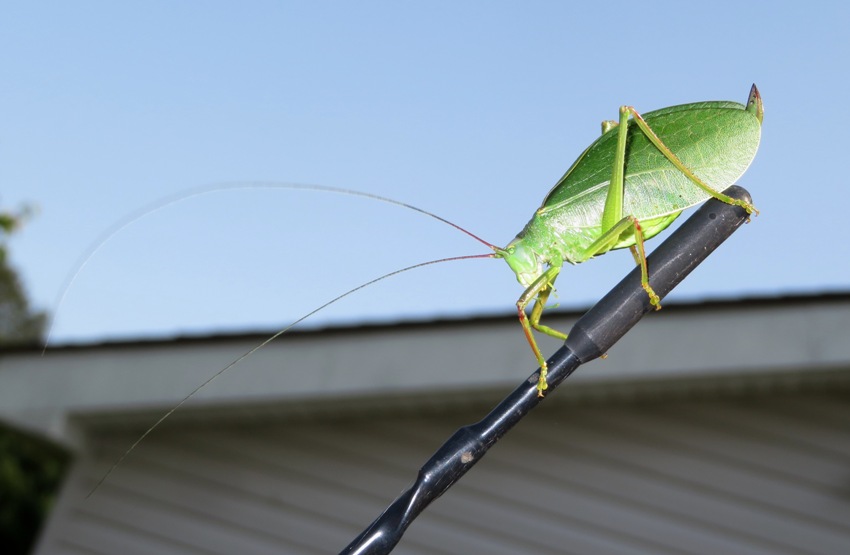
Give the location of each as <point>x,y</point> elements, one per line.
<point>671,156</point>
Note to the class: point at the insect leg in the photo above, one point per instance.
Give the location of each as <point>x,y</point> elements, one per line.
<point>613,212</point>
<point>538,291</point>
<point>606,241</point>
<point>659,144</point>
<point>614,224</point>
<point>639,254</point>
<point>608,125</point>
<point>537,312</point>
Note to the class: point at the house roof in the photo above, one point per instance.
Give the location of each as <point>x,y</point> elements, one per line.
<point>719,346</point>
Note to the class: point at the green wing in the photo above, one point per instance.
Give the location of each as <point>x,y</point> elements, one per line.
<point>717,140</point>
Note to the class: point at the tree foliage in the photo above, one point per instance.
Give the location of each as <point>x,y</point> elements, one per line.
<point>31,468</point>
<point>18,322</point>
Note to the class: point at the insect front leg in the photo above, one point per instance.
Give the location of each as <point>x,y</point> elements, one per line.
<point>539,292</point>
<point>537,312</point>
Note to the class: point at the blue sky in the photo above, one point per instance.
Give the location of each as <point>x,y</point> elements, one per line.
<point>470,110</point>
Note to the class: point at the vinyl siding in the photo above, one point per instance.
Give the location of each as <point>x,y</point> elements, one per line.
<point>746,472</point>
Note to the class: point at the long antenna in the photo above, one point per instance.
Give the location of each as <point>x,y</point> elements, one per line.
<point>165,202</point>
<point>253,350</point>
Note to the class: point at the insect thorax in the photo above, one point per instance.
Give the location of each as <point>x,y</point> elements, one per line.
<point>540,245</point>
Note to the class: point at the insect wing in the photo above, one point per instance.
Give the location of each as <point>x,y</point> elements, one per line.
<point>717,140</point>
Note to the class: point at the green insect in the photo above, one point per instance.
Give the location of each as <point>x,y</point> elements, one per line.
<point>627,187</point>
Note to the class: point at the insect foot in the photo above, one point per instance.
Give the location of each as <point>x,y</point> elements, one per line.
<point>541,381</point>
<point>750,209</point>
<point>654,299</point>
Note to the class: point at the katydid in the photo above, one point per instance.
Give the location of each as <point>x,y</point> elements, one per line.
<point>627,187</point>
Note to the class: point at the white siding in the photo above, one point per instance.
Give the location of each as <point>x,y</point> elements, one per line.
<point>714,429</point>
<point>746,473</point>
